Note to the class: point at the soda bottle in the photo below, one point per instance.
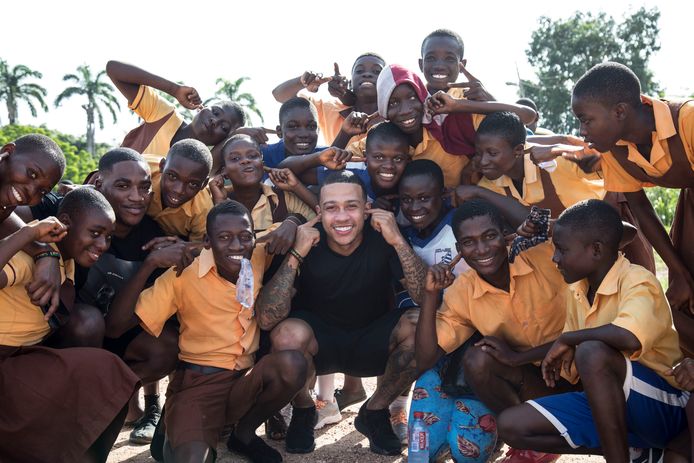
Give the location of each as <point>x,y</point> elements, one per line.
<point>418,451</point>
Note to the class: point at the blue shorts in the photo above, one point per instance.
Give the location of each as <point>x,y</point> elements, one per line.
<point>655,411</point>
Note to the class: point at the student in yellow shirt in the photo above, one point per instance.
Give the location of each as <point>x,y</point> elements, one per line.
<point>67,404</point>
<point>220,305</point>
<point>180,201</point>
<point>619,339</point>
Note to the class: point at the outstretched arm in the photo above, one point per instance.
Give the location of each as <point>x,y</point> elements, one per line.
<point>309,80</point>
<point>513,211</point>
<point>442,103</point>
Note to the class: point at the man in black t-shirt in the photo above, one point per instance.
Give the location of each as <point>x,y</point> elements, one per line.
<point>342,316</point>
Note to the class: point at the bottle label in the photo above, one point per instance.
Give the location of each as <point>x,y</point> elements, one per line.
<point>419,441</point>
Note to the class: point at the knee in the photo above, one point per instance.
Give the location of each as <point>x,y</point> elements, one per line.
<point>477,363</point>
<point>86,326</point>
<point>291,368</point>
<point>592,356</point>
<point>406,328</point>
<point>291,335</point>
<point>161,356</point>
<point>510,429</point>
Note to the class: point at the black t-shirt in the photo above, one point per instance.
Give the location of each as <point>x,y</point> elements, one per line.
<point>349,291</point>
<point>98,284</point>
<point>47,207</point>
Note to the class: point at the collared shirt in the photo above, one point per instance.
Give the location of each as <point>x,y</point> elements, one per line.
<point>660,160</point>
<point>329,118</point>
<point>21,322</point>
<point>153,108</point>
<point>629,297</point>
<point>187,220</point>
<point>216,330</point>
<point>530,314</point>
<point>570,183</point>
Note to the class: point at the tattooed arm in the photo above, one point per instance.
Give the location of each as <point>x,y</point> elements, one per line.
<point>274,300</point>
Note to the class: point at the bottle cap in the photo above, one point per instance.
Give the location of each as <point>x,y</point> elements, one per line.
<point>418,415</point>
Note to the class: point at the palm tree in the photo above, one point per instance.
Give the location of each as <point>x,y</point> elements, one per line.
<point>97,92</point>
<point>13,90</point>
<point>231,91</point>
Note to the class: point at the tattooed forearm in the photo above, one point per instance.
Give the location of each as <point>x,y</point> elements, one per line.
<point>414,269</point>
<point>274,300</point>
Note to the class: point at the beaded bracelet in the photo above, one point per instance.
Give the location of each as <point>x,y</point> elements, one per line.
<point>296,254</point>
<point>41,255</point>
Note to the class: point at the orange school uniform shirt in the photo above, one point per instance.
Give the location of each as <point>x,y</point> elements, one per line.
<point>629,297</point>
<point>21,322</point>
<point>660,160</point>
<point>530,314</point>
<point>328,110</point>
<point>189,220</point>
<point>570,183</point>
<point>160,123</point>
<point>215,329</point>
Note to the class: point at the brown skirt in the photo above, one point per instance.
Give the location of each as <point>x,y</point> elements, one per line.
<point>681,233</point>
<point>54,403</point>
<point>639,251</point>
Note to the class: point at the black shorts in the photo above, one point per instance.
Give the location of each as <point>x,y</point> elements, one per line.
<point>361,352</point>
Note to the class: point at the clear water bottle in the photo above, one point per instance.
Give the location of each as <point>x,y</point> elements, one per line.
<point>418,451</point>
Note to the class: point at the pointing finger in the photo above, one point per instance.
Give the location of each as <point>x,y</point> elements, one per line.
<point>272,131</point>
<point>337,69</point>
<point>371,116</point>
<point>313,221</point>
<point>461,84</point>
<point>455,260</point>
<point>469,76</point>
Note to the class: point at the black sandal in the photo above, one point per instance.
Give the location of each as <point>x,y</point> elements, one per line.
<point>276,427</point>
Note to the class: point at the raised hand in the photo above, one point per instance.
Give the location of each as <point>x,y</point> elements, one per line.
<point>560,356</point>
<point>48,230</point>
<point>474,90</point>
<point>385,202</point>
<point>439,277</point>
<point>441,103</point>
<point>188,97</point>
<point>334,158</point>
<point>167,253</point>
<point>384,222</point>
<point>284,179</point>
<point>312,81</point>
<point>545,153</point>
<point>216,186</point>
<point>683,373</point>
<point>307,236</point>
<point>339,84</point>
<point>279,240</point>
<point>357,123</point>
<point>588,163</point>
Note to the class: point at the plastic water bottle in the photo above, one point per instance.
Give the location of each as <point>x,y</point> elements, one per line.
<point>418,451</point>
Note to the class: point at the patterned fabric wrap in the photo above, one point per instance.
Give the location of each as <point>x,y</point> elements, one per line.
<point>539,217</point>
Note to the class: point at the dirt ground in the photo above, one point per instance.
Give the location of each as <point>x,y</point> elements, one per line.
<point>339,443</point>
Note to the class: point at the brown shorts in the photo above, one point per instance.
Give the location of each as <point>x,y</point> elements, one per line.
<point>198,405</point>
<point>54,403</point>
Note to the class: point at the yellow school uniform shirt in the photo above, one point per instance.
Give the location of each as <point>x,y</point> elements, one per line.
<point>530,314</point>
<point>21,322</point>
<point>152,107</point>
<point>660,160</point>
<point>216,330</point>
<point>570,182</point>
<point>187,220</point>
<point>629,297</point>
<point>329,118</point>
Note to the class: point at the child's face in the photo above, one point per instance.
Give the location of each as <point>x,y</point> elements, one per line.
<point>26,177</point>
<point>573,257</point>
<point>420,201</point>
<point>243,163</point>
<point>89,236</point>
<point>299,130</point>
<point>231,239</point>
<point>600,126</point>
<point>214,123</point>
<point>128,187</point>
<point>365,74</point>
<point>440,62</point>
<point>181,180</point>
<point>405,110</point>
<point>385,162</point>
<point>482,245</point>
<point>495,156</point>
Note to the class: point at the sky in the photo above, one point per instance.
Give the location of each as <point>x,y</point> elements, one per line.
<point>272,41</point>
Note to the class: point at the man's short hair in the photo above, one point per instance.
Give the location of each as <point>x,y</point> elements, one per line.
<point>609,83</point>
<point>476,208</point>
<point>344,176</point>
<point>593,220</point>
<point>84,199</point>
<point>227,207</point>
<point>116,155</point>
<point>368,54</point>
<point>424,167</point>
<point>194,150</point>
<point>41,145</point>
<point>297,102</point>
<point>387,131</point>
<point>504,124</point>
<point>449,34</point>
<point>527,102</point>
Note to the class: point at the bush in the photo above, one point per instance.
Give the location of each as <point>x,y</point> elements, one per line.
<point>664,201</point>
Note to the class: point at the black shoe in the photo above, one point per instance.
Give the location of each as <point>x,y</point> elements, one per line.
<point>343,402</point>
<point>375,425</point>
<point>143,432</point>
<point>300,432</point>
<point>256,450</point>
<point>156,448</point>
<point>276,427</point>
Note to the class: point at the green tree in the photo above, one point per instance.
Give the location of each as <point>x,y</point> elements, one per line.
<point>14,89</point>
<point>664,202</point>
<point>232,91</point>
<point>562,50</point>
<point>78,161</point>
<point>98,93</point>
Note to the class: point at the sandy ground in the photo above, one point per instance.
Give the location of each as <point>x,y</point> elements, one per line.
<point>337,443</point>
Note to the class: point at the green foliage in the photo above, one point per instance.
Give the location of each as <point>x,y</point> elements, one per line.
<point>562,50</point>
<point>229,90</point>
<point>79,161</point>
<point>664,201</point>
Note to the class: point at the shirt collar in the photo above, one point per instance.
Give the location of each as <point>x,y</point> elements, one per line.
<point>609,284</point>
<point>518,268</point>
<point>664,125</point>
<point>205,262</point>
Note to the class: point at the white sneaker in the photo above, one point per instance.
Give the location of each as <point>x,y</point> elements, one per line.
<point>328,413</point>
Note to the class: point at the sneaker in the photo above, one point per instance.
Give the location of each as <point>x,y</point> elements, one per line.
<point>637,455</point>
<point>143,432</point>
<point>300,432</point>
<point>256,450</point>
<point>343,401</point>
<point>328,413</point>
<point>528,456</point>
<point>375,425</point>
<point>398,420</point>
